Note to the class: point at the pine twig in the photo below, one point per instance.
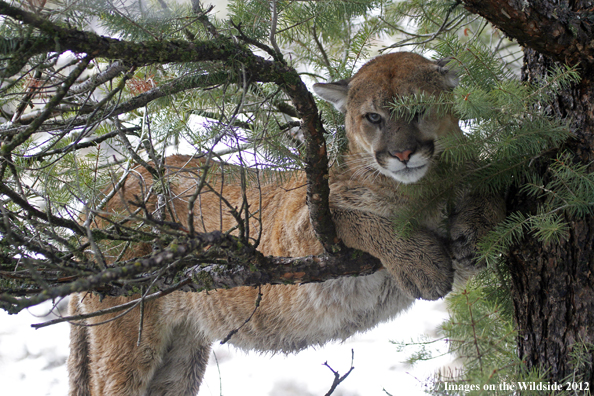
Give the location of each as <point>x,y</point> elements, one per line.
<point>474,335</point>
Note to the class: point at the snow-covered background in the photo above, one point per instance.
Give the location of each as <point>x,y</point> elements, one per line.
<point>33,362</point>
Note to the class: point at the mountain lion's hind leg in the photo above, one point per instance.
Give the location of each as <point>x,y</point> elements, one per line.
<point>169,360</point>
<point>78,359</point>
<point>118,365</point>
<point>182,366</point>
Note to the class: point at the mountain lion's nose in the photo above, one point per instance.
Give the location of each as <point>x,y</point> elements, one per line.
<point>403,156</point>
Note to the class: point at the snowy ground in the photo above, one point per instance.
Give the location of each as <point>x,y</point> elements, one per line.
<point>32,362</point>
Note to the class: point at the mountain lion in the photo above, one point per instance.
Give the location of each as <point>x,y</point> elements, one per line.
<point>384,152</point>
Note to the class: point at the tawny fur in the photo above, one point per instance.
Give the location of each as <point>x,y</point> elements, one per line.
<point>180,328</point>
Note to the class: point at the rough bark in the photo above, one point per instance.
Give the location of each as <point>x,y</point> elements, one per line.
<point>554,301</point>
<point>559,29</point>
<point>553,284</point>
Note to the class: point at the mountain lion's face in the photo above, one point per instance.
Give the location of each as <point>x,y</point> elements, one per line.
<point>402,149</point>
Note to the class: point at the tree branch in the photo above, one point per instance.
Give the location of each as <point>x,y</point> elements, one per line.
<point>32,211</point>
<point>170,88</point>
<point>218,49</point>
<point>244,267</point>
<point>267,270</point>
<point>140,53</point>
<point>111,72</point>
<point>316,165</point>
<point>549,28</point>
<point>284,270</point>
<point>10,144</point>
<point>117,308</point>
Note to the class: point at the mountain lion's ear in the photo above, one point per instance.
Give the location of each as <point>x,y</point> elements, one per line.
<point>449,69</point>
<point>335,93</point>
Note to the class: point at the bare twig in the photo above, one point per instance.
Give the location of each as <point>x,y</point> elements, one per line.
<point>21,137</point>
<point>117,308</point>
<point>235,331</point>
<point>111,72</point>
<point>337,378</point>
<point>59,221</point>
<point>203,17</point>
<point>141,320</point>
<point>314,35</point>
<point>273,28</point>
<point>253,42</point>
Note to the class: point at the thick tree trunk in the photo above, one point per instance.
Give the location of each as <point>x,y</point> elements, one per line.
<point>553,285</point>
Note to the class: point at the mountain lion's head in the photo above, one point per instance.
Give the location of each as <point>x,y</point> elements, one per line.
<point>400,148</point>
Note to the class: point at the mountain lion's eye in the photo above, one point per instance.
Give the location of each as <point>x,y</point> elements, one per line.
<point>374,118</point>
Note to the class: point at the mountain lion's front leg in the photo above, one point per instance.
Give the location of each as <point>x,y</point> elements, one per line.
<point>420,263</point>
